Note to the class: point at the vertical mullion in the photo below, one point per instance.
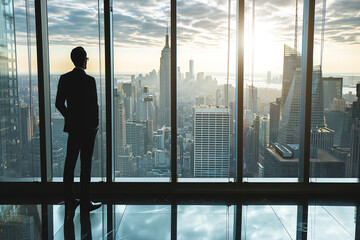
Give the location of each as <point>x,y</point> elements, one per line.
<point>42,49</point>
<point>173,94</point>
<point>46,222</point>
<point>240,89</point>
<point>357,222</point>
<point>109,76</point>
<point>306,89</point>
<point>110,216</point>
<point>302,222</point>
<point>173,221</point>
<point>237,221</point>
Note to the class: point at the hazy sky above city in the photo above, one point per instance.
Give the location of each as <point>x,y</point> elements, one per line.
<point>202,28</point>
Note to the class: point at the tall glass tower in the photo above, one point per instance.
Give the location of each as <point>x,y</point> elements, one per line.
<point>290,122</point>
<point>9,101</point>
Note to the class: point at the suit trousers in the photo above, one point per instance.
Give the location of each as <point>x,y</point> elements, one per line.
<point>83,143</point>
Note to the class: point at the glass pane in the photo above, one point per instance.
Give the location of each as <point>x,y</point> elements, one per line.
<point>20,222</point>
<point>206,58</point>
<point>269,222</point>
<point>83,226</point>
<point>142,90</point>
<point>205,222</point>
<point>143,222</point>
<point>339,219</point>
<point>273,32</point>
<point>335,129</point>
<point>66,21</point>
<point>19,128</point>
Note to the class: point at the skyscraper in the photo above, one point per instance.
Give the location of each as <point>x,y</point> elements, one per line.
<point>211,141</point>
<point>119,122</point>
<point>354,168</point>
<point>59,140</point>
<point>251,153</point>
<point>292,61</point>
<point>274,120</point>
<point>264,132</point>
<point>317,99</point>
<point>191,69</point>
<point>9,100</point>
<point>289,125</point>
<point>251,98</point>
<point>340,122</point>
<point>268,77</point>
<point>135,135</point>
<point>165,83</point>
<point>332,89</point>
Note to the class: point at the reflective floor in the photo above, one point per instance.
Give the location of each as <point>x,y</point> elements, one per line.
<point>182,222</point>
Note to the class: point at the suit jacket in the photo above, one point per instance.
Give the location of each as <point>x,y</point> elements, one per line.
<point>81,111</point>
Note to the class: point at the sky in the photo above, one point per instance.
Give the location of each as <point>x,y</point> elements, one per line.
<point>202,34</point>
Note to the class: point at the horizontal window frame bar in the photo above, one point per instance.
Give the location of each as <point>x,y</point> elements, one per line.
<point>295,193</point>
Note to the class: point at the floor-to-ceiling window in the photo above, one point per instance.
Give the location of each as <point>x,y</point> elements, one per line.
<point>19,122</point>
<point>72,24</point>
<point>335,121</point>
<point>207,76</point>
<point>142,94</point>
<point>206,89</point>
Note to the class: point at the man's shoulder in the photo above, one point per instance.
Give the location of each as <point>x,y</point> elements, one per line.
<point>66,75</point>
<point>89,76</point>
<point>76,73</point>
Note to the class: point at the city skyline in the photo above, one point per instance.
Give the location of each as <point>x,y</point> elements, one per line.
<point>143,127</point>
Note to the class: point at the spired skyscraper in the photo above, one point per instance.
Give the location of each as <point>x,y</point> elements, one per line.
<point>9,100</point>
<point>290,121</point>
<point>164,113</point>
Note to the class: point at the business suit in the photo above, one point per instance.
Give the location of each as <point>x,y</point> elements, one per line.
<point>81,114</point>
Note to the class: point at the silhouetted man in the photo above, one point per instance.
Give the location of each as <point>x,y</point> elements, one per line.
<point>81,113</point>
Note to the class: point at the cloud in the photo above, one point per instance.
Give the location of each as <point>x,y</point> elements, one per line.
<point>144,223</point>
<point>275,3</point>
<point>207,222</point>
<point>138,24</point>
<point>342,22</point>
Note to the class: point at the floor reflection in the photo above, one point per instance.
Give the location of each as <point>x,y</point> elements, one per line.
<point>210,222</point>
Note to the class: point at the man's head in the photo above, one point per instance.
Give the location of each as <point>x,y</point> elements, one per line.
<point>78,56</point>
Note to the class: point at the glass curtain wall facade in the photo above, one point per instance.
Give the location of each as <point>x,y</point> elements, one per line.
<point>206,98</point>
<point>208,76</point>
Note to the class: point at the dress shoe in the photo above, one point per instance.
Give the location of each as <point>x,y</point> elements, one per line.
<point>90,206</point>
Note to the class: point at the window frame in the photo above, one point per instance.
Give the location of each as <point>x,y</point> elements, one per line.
<point>302,188</point>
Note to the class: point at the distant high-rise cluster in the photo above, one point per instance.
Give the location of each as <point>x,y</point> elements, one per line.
<point>271,141</point>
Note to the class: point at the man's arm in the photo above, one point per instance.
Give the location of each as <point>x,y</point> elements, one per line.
<point>60,98</point>
<point>95,104</point>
